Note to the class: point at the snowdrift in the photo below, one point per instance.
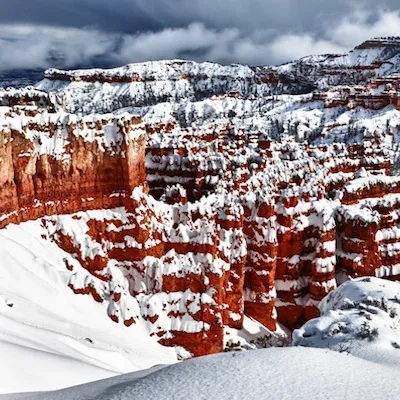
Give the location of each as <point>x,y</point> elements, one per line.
<point>292,373</point>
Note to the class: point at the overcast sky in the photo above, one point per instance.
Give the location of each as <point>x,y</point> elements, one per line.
<point>73,33</point>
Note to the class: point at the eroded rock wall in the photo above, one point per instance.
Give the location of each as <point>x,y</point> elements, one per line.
<point>57,164</point>
<point>183,263</point>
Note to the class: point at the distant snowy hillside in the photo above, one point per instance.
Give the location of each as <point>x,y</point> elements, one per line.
<point>373,58</point>
<point>150,83</point>
<point>275,374</point>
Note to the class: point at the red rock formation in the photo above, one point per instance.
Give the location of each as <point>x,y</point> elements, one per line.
<point>369,237</point>
<point>290,237</point>
<point>189,267</point>
<point>59,168</point>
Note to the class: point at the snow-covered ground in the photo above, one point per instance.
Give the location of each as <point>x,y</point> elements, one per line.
<point>253,336</point>
<point>51,338</point>
<point>361,317</point>
<point>24,368</point>
<point>278,374</point>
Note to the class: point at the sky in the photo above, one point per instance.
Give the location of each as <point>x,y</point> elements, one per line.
<point>104,33</point>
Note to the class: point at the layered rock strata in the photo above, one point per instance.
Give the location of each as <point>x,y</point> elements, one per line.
<point>58,163</point>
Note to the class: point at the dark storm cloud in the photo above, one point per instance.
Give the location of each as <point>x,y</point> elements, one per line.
<point>82,32</point>
<point>113,15</point>
<point>131,16</point>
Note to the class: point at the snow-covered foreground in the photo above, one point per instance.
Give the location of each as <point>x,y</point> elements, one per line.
<point>276,373</point>
<point>24,368</point>
<point>51,338</point>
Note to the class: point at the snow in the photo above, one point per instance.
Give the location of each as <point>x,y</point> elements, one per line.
<point>276,373</point>
<point>50,133</point>
<point>361,213</point>
<point>147,83</point>
<point>365,182</point>
<point>254,335</point>
<point>388,271</point>
<point>343,64</point>
<point>161,70</point>
<point>45,326</point>
<point>361,317</point>
<point>33,370</point>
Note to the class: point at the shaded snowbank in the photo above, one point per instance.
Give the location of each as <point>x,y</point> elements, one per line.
<point>291,373</point>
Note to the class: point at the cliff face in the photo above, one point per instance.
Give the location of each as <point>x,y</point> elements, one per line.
<point>140,85</point>
<point>368,229</point>
<point>57,164</point>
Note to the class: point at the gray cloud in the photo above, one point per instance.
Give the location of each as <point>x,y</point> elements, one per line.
<point>74,33</point>
<point>132,16</point>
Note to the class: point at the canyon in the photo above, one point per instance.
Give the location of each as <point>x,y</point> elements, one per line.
<point>189,197</point>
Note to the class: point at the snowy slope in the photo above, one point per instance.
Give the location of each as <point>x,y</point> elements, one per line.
<point>27,369</point>
<point>293,373</point>
<point>361,317</point>
<point>45,326</point>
